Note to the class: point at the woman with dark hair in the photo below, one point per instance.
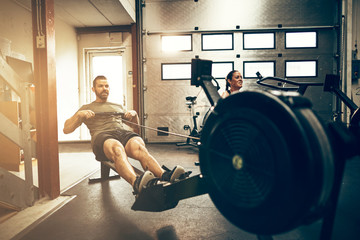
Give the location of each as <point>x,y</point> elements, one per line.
<point>234,82</point>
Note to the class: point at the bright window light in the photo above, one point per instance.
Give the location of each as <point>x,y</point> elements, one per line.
<point>301,68</point>
<point>176,43</point>
<point>217,41</point>
<point>267,69</point>
<point>175,71</point>
<point>300,40</point>
<point>111,67</point>
<point>221,69</point>
<point>259,40</point>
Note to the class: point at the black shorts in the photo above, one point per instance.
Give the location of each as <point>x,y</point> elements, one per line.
<point>123,136</point>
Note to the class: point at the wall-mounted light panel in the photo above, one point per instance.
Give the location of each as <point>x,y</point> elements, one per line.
<point>175,71</point>
<point>301,68</point>
<point>301,39</point>
<point>176,43</point>
<point>253,41</point>
<point>221,69</point>
<point>217,42</point>
<point>266,68</point>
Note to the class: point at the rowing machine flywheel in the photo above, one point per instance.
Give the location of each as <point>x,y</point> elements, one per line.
<point>267,161</point>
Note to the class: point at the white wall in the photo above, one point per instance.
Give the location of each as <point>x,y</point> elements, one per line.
<point>67,82</point>
<point>16,26</point>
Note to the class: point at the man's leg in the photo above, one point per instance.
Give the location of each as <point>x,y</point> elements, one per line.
<point>115,152</point>
<point>135,148</point>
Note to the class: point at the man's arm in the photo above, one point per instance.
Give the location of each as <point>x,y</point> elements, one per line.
<point>76,120</point>
<point>133,117</point>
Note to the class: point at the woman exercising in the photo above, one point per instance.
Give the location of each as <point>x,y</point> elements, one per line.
<point>234,82</point>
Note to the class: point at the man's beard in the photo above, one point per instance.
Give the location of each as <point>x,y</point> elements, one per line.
<point>102,97</point>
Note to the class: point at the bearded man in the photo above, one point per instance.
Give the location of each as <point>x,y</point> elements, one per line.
<point>111,141</point>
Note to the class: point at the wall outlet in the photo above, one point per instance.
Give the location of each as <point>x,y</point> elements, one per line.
<point>40,41</point>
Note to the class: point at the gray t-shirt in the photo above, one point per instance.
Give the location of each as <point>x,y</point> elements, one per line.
<point>103,123</point>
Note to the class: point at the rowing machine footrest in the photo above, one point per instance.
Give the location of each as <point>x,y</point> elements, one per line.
<point>166,196</point>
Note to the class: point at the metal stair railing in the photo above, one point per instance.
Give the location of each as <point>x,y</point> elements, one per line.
<point>15,192</point>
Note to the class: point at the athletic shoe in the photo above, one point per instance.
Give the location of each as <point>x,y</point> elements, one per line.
<point>178,173</point>
<point>145,180</point>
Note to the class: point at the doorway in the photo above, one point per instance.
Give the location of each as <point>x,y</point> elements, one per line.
<point>110,63</point>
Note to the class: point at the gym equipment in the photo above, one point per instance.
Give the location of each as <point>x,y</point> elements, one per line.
<point>194,133</point>
<point>162,131</point>
<point>267,161</point>
<point>276,157</point>
<point>166,196</point>
<point>105,167</point>
<point>206,116</point>
<point>109,114</point>
<point>332,84</point>
<point>300,87</point>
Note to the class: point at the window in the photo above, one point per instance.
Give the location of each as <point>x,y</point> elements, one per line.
<point>221,69</point>
<point>301,68</point>
<point>211,42</point>
<point>175,71</point>
<point>259,40</point>
<point>300,39</point>
<point>176,43</point>
<point>110,64</point>
<point>266,68</point>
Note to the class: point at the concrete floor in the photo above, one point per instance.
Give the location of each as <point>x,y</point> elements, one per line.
<point>103,211</point>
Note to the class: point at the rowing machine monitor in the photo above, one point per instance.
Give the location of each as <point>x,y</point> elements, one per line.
<point>201,76</point>
<point>200,68</point>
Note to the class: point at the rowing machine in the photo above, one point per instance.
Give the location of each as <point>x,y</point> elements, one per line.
<point>281,84</point>
<point>267,161</point>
